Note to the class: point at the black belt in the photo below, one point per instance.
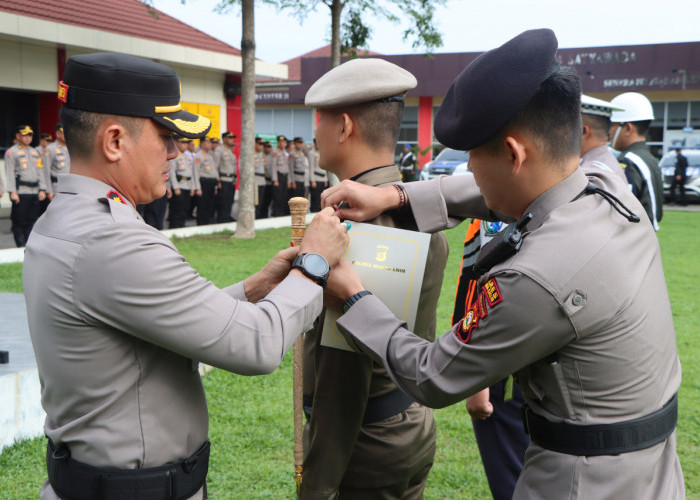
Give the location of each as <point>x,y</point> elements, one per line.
<point>378,408</point>
<point>603,439</point>
<point>74,480</point>
<point>28,184</point>
<point>182,178</point>
<point>259,175</point>
<point>299,173</point>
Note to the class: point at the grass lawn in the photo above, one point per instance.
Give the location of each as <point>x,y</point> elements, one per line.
<point>251,417</point>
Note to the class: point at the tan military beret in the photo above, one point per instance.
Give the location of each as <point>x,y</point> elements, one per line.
<point>359,81</point>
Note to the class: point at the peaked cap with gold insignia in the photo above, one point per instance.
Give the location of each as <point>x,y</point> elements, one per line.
<point>125,85</point>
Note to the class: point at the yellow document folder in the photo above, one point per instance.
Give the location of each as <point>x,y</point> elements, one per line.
<point>391,264</point>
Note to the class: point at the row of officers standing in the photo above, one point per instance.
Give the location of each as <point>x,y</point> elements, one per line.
<point>202,181</point>
<point>205,178</point>
<point>31,175</point>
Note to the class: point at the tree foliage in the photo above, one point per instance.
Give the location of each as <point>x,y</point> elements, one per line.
<point>349,30</point>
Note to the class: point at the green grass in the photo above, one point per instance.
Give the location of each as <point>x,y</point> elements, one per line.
<point>251,417</point>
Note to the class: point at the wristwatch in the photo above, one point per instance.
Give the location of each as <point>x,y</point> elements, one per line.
<point>350,301</point>
<point>313,266</point>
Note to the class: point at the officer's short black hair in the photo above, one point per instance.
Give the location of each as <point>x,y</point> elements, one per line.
<point>552,117</point>
<point>80,127</point>
<point>599,125</point>
<point>379,122</point>
<point>642,126</point>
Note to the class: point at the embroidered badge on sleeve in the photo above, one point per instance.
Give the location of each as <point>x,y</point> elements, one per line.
<point>489,297</point>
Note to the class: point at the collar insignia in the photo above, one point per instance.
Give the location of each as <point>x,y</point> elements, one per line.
<point>113,195</point>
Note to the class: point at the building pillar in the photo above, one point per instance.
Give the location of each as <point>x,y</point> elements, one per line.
<point>425,130</point>
<point>49,105</point>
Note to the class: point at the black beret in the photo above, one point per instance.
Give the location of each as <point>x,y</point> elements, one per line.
<point>489,92</point>
<point>298,139</point>
<point>267,144</point>
<point>129,86</point>
<point>46,136</point>
<point>227,135</point>
<point>24,130</point>
<point>281,138</point>
<point>258,140</point>
<point>59,127</point>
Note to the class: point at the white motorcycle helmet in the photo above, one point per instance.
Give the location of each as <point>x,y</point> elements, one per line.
<point>633,107</point>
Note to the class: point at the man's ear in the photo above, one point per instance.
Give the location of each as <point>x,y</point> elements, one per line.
<point>110,139</point>
<point>517,152</point>
<point>347,128</point>
<point>585,132</point>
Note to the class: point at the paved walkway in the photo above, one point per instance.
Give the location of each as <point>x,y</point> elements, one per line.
<point>14,334</point>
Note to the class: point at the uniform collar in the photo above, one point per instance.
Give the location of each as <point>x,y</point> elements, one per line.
<point>555,197</point>
<point>378,175</point>
<point>80,184</point>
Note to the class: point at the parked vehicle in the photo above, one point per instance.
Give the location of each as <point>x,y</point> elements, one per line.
<point>692,173</point>
<point>447,162</point>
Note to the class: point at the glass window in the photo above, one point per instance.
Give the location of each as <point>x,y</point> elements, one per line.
<point>409,125</point>
<point>264,121</point>
<point>283,122</point>
<point>677,115</point>
<point>695,114</point>
<point>303,124</point>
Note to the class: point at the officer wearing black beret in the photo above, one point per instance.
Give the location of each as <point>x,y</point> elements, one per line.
<point>572,296</point>
<point>119,321</point>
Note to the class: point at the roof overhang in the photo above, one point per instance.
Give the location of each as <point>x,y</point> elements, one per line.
<point>68,35</point>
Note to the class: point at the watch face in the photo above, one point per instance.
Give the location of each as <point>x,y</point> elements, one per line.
<point>315,264</point>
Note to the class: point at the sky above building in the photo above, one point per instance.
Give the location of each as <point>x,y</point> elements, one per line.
<point>465,25</point>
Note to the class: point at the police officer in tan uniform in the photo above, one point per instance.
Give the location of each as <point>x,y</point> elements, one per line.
<point>572,294</point>
<point>366,439</point>
<point>26,183</point>
<point>56,158</point>
<point>119,321</point>
<point>280,178</point>
<point>184,183</point>
<point>226,164</point>
<point>595,115</point>
<point>261,182</point>
<point>265,203</point>
<point>318,178</point>
<point>208,175</point>
<point>298,168</point>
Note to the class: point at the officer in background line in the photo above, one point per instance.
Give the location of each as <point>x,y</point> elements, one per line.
<point>595,115</point>
<point>318,178</point>
<point>26,184</point>
<point>119,320</point>
<point>628,136</point>
<point>44,141</point>
<point>265,205</point>
<point>184,183</point>
<point>572,296</point>
<point>208,175</point>
<point>260,181</point>
<point>227,167</point>
<point>280,178</point>
<point>298,169</point>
